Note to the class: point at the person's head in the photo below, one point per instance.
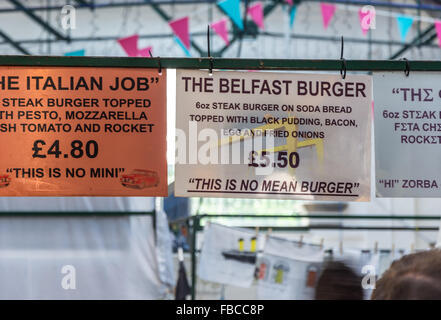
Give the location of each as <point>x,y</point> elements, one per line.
<point>415,276</point>
<point>338,282</point>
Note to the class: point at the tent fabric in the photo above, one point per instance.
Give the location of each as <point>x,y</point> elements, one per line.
<point>83,257</point>
<point>112,257</point>
<point>36,204</point>
<point>164,250</point>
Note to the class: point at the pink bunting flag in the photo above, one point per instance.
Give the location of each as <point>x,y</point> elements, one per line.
<point>145,52</point>
<point>181,30</point>
<point>328,11</point>
<point>221,29</point>
<point>130,45</point>
<point>289,2</point>
<point>256,13</point>
<point>438,31</point>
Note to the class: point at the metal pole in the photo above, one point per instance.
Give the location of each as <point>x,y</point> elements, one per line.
<point>222,63</point>
<point>194,230</point>
<point>324,216</point>
<point>426,7</point>
<point>204,34</point>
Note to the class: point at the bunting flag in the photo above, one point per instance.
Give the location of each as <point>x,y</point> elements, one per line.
<point>187,52</point>
<point>130,45</point>
<point>404,24</point>
<point>289,2</point>
<point>77,53</point>
<point>220,27</point>
<point>145,52</point>
<point>181,30</point>
<point>256,13</point>
<point>328,11</point>
<point>366,19</point>
<point>292,15</point>
<point>232,9</point>
<point>438,31</point>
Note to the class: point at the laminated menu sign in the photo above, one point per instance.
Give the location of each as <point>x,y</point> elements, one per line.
<point>82,132</point>
<point>231,261</point>
<point>273,135</point>
<point>288,270</point>
<point>408,134</point>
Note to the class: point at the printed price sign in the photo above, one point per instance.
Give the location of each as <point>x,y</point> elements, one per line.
<point>82,132</point>
<point>273,135</point>
<point>407,134</point>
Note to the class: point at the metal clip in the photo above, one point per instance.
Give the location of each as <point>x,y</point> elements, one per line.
<point>407,69</point>
<point>343,60</point>
<point>159,63</point>
<point>210,68</point>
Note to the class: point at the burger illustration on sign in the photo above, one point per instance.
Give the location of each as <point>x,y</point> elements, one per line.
<point>4,180</point>
<point>140,178</point>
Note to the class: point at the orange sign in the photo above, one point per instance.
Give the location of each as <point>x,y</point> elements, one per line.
<point>68,131</point>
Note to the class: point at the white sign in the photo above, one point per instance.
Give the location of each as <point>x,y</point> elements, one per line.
<point>288,270</point>
<point>273,135</point>
<point>408,134</point>
<point>228,255</point>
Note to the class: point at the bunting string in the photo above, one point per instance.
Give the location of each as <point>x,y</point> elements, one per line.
<point>232,9</point>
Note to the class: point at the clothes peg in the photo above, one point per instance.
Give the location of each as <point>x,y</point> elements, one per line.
<point>341,247</point>
<point>253,244</point>
<point>376,247</point>
<point>301,240</point>
<point>322,242</point>
<point>254,240</point>
<point>412,247</point>
<point>241,244</point>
